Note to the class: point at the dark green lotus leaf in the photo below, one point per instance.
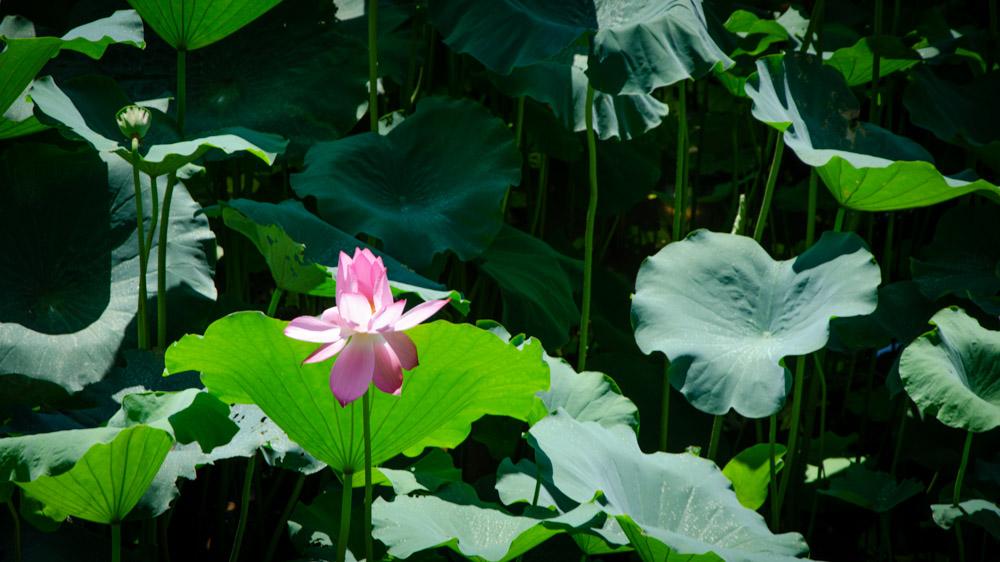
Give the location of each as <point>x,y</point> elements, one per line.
<point>750,473</point>
<point>963,114</point>
<point>24,55</point>
<point>434,183</point>
<point>901,315</point>
<point>535,287</point>
<point>433,471</point>
<point>978,512</point>
<point>953,372</point>
<point>464,373</point>
<point>638,46</point>
<point>457,519</point>
<point>587,396</point>
<point>561,83</point>
<point>680,500</point>
<point>300,249</point>
<point>856,62</point>
<point>964,258</point>
<point>70,289</point>
<point>192,24</point>
<point>865,167</point>
<point>157,159</point>
<point>725,313</point>
<point>755,34</point>
<point>870,489</point>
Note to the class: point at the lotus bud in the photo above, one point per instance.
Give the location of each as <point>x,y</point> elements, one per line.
<point>134,121</point>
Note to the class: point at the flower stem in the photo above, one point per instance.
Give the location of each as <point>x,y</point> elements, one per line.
<point>772,178</point>
<point>373,64</point>
<point>366,416</point>
<point>154,217</point>
<point>665,405</point>
<point>116,542</point>
<point>161,265</point>
<point>143,255</point>
<point>713,440</point>
<point>17,529</point>
<point>772,436</point>
<point>680,177</point>
<point>838,222</point>
<point>345,516</point>
<point>957,498</point>
<point>241,527</point>
<point>181,89</point>
<point>276,295</point>
<point>793,434</point>
<point>588,240</point>
<point>272,546</point>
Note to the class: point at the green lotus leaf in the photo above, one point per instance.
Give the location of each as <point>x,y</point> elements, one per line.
<point>535,287</point>
<point>475,529</point>
<point>870,489</point>
<point>725,313</point>
<point>70,288</point>
<point>750,473</point>
<point>856,62</point>
<point>680,500</point>
<point>755,34</point>
<point>953,372</point>
<point>299,249</point>
<point>587,396</point>
<point>24,55</point>
<point>864,166</point>
<point>433,471</point>
<point>419,197</point>
<point>464,374</point>
<point>651,549</point>
<point>963,114</point>
<point>561,83</point>
<point>978,512</point>
<point>191,24</point>
<point>638,46</point>
<point>157,159</point>
<point>963,259</point>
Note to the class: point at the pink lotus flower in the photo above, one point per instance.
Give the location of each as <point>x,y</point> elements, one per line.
<point>366,328</point>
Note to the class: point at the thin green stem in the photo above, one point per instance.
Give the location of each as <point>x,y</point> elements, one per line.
<point>345,516</point>
<point>272,307</point>
<point>279,529</point>
<point>116,542</point>
<point>17,528</point>
<point>811,209</point>
<point>815,18</point>
<point>161,265</point>
<point>713,440</point>
<point>772,179</point>
<point>899,441</point>
<point>772,437</point>
<point>373,64</point>
<point>154,195</point>
<point>876,102</point>
<point>241,527</point>
<point>143,325</point>
<point>887,251</point>
<point>793,434</point>
<point>957,497</point>
<point>519,122</point>
<point>838,222</point>
<point>543,184</point>
<point>181,89</point>
<point>680,175</point>
<point>588,240</point>
<point>366,416</point>
<point>665,405</point>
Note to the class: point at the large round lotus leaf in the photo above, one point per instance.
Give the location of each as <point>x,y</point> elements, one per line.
<point>299,248</point>
<point>91,117</point>
<point>535,287</point>
<point>24,55</point>
<point>681,500</point>
<point>464,373</point>
<point>865,166</point>
<point>978,512</point>
<point>69,288</point>
<point>725,313</point>
<point>469,526</point>
<point>561,83</point>
<point>964,257</point>
<point>434,183</point>
<point>587,396</point>
<point>191,24</point>
<point>638,45</point>
<point>953,372</point>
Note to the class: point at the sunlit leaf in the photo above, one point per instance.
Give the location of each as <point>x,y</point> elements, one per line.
<point>191,24</point>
